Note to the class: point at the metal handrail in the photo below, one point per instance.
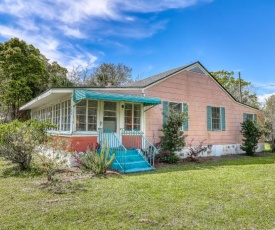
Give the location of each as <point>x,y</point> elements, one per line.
<point>138,141</point>
<point>112,142</point>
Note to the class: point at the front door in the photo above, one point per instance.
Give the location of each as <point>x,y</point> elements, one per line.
<point>110,124</point>
<point>110,116</point>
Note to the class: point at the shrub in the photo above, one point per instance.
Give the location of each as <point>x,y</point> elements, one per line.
<point>166,157</point>
<point>97,162</point>
<point>194,151</point>
<point>251,135</point>
<point>173,138</point>
<point>19,139</point>
<point>54,155</point>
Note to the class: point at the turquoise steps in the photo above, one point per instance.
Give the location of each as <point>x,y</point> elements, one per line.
<point>134,162</point>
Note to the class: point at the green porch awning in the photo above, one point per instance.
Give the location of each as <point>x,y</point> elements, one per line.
<point>80,94</point>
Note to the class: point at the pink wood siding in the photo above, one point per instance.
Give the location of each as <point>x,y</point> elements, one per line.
<point>198,91</point>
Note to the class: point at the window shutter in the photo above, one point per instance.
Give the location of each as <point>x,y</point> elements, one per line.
<point>254,117</point>
<point>223,118</point>
<point>185,124</point>
<point>164,111</point>
<point>209,118</point>
<point>244,116</point>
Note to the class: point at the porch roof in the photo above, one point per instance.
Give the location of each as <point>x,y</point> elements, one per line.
<point>80,94</point>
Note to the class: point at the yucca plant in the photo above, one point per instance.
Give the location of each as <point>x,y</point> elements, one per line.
<point>98,163</point>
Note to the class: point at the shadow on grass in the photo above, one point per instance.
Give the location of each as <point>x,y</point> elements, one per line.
<point>214,163</point>
<point>11,170</point>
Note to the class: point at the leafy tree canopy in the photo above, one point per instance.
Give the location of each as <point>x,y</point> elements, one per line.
<point>269,115</point>
<point>231,84</point>
<point>110,73</point>
<point>106,73</point>
<point>24,74</point>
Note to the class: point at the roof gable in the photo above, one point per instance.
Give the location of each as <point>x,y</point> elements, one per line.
<point>194,67</point>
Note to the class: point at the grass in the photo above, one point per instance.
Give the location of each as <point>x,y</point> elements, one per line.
<point>228,194</point>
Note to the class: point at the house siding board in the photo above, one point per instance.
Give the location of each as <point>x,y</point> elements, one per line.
<point>198,91</point>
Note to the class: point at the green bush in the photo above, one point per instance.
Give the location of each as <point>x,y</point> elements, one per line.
<point>18,140</point>
<point>251,134</point>
<point>166,157</point>
<point>98,163</point>
<point>173,138</point>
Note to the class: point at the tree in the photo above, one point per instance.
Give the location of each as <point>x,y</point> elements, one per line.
<point>25,73</point>
<point>173,139</point>
<point>19,140</point>
<point>57,76</point>
<point>231,84</point>
<point>81,75</point>
<point>106,73</point>
<point>269,115</point>
<point>251,134</point>
<point>109,73</point>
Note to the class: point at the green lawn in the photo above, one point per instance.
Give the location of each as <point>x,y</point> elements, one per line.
<point>229,194</point>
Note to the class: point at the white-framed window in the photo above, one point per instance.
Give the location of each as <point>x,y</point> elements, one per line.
<point>250,116</point>
<point>58,114</point>
<point>86,115</point>
<point>215,118</point>
<point>178,107</point>
<point>132,116</point>
<point>65,115</point>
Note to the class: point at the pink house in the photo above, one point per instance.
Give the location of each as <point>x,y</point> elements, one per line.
<point>130,117</point>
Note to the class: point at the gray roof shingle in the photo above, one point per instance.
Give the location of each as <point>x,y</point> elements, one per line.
<point>150,80</point>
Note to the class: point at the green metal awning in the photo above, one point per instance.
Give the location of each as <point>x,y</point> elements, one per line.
<point>80,94</point>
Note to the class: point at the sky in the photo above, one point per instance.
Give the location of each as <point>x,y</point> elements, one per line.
<point>150,36</point>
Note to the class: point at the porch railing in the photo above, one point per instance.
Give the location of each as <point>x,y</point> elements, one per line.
<point>134,139</point>
<point>114,144</point>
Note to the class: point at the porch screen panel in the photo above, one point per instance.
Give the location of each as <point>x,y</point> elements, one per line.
<point>57,116</point>
<point>66,111</point>
<point>137,116</point>
<point>81,116</point>
<point>68,116</point>
<point>92,115</point>
<point>132,116</point>
<point>128,116</point>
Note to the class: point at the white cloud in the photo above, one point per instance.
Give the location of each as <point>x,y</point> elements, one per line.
<point>55,26</point>
<point>82,60</point>
<point>72,32</point>
<point>51,47</point>
<point>264,97</point>
<point>146,6</point>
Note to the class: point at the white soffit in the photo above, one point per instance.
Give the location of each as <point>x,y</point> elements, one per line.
<point>51,96</point>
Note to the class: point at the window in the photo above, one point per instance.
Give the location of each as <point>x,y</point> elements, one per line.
<point>132,116</point>
<point>86,115</point>
<point>176,106</point>
<point>215,118</point>
<point>58,114</point>
<point>250,116</point>
<point>92,115</point>
<point>65,119</point>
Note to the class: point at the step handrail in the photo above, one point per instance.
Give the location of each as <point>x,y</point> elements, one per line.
<point>147,149</point>
<point>112,142</point>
